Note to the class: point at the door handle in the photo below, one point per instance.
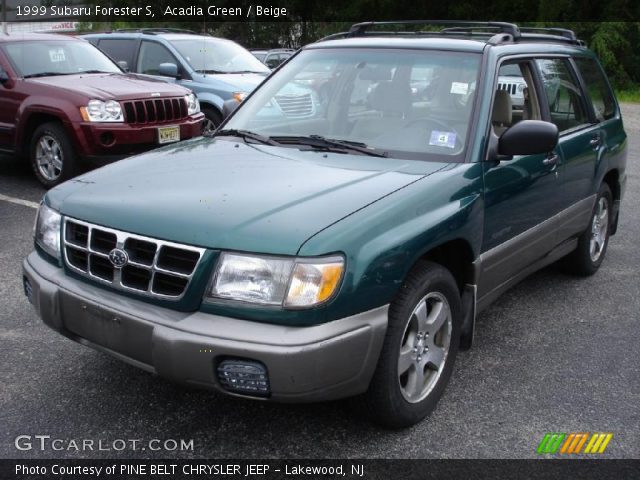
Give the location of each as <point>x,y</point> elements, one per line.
<point>595,142</point>
<point>550,160</point>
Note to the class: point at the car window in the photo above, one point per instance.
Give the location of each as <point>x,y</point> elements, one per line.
<point>57,57</point>
<point>565,98</point>
<point>600,94</point>
<point>152,54</point>
<point>411,104</point>
<point>119,49</point>
<point>515,97</point>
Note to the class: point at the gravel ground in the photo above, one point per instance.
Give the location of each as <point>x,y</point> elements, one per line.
<point>555,353</point>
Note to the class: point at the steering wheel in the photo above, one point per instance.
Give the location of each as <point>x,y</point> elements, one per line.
<point>442,125</point>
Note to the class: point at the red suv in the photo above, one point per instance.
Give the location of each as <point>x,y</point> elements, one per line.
<point>63,102</point>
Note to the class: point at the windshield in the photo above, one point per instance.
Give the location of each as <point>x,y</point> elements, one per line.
<point>217,56</point>
<point>57,57</point>
<point>405,103</point>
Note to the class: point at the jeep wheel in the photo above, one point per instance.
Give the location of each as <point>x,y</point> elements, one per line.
<point>211,120</point>
<point>51,154</point>
<point>592,244</point>
<point>419,349</point>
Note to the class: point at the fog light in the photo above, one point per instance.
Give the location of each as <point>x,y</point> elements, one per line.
<point>28,289</point>
<point>244,376</point>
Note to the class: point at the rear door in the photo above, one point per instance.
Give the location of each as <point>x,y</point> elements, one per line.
<point>580,142</point>
<point>120,49</point>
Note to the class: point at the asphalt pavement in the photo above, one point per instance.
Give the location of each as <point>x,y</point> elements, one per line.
<point>554,354</point>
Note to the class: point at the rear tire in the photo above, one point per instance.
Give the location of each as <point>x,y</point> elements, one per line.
<point>586,259</point>
<point>51,155</point>
<point>419,349</point>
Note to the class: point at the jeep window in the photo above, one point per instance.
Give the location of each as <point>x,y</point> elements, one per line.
<point>601,96</point>
<point>152,54</point>
<point>57,57</point>
<point>211,55</point>
<point>119,49</point>
<point>408,103</point>
<point>566,101</point>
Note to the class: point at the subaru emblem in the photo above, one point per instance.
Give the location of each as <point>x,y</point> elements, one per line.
<point>118,257</point>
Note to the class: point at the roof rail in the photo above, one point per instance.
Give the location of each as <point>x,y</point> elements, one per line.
<point>495,32</point>
<point>503,27</point>
<point>154,30</point>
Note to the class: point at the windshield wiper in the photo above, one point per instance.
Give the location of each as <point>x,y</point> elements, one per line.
<point>245,135</point>
<point>91,71</point>
<point>48,74</point>
<point>319,141</point>
<point>247,71</point>
<point>207,71</point>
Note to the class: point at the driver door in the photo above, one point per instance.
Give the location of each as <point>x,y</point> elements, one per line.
<point>521,194</point>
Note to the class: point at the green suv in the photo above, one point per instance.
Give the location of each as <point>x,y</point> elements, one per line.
<point>345,251</point>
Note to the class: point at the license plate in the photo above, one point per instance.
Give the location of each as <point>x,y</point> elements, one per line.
<point>168,134</point>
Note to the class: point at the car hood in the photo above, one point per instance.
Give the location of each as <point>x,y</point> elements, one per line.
<point>222,194</point>
<point>113,86</point>
<point>241,82</point>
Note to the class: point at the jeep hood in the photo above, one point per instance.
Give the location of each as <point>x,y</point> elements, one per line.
<point>218,193</point>
<point>112,86</point>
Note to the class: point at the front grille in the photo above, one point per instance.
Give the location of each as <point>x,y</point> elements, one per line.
<point>509,87</point>
<point>296,105</point>
<point>157,110</point>
<point>154,268</point>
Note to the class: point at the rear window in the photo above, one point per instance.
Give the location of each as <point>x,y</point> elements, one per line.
<point>601,96</point>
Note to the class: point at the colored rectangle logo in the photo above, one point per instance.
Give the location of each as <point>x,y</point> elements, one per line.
<point>574,443</point>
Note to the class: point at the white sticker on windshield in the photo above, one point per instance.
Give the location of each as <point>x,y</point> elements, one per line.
<point>443,139</point>
<point>459,88</point>
<point>57,55</point>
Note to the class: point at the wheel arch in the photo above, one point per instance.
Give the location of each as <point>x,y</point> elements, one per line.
<point>31,123</point>
<point>612,179</point>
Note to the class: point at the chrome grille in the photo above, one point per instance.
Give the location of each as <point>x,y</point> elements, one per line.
<point>509,87</point>
<point>155,267</point>
<point>296,105</point>
<point>157,110</point>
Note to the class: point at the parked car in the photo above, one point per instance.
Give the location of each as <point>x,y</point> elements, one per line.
<point>349,252</point>
<point>64,103</point>
<point>272,57</point>
<point>215,69</point>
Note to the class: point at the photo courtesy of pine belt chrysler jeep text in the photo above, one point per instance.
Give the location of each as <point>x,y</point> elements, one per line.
<point>346,252</point>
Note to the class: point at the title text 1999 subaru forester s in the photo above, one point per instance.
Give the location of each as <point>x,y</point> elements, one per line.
<point>345,253</point>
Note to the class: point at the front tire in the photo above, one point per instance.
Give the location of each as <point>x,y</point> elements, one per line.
<point>419,349</point>
<point>586,259</point>
<point>212,120</point>
<point>51,155</point>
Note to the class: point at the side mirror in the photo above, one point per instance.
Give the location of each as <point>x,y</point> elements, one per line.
<point>168,70</point>
<point>4,76</point>
<point>123,65</point>
<point>528,137</point>
<point>229,106</point>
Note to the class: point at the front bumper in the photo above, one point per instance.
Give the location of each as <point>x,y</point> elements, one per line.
<point>305,364</point>
<point>123,139</point>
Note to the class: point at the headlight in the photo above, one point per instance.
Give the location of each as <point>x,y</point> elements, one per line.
<point>287,282</point>
<point>47,234</point>
<point>99,111</point>
<point>240,96</point>
<point>193,105</point>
